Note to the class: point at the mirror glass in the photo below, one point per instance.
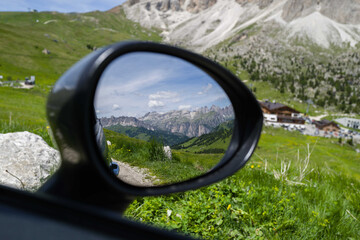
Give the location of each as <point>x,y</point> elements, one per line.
<point>164,119</point>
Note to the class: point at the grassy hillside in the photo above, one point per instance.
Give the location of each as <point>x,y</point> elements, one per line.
<point>215,142</point>
<point>68,37</point>
<point>265,90</point>
<point>24,110</point>
<point>281,145</point>
<point>326,154</point>
<point>167,138</point>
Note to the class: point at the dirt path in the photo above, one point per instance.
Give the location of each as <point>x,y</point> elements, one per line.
<point>134,175</point>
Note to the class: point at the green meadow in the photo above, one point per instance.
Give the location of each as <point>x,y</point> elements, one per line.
<point>294,187</point>
<point>150,155</point>
<point>68,37</point>
<point>24,110</point>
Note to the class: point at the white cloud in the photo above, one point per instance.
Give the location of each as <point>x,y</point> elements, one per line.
<point>141,81</point>
<point>182,107</point>
<point>115,107</point>
<point>163,95</point>
<point>206,89</point>
<point>155,104</point>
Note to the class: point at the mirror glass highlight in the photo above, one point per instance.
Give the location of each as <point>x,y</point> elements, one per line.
<point>163,120</point>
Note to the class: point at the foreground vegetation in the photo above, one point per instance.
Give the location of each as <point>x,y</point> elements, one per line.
<point>182,165</point>
<point>24,110</point>
<point>278,195</point>
<point>254,204</point>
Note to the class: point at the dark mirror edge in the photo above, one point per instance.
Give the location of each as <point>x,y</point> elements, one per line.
<point>80,93</point>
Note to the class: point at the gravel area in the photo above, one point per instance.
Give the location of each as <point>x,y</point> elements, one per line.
<point>134,175</point>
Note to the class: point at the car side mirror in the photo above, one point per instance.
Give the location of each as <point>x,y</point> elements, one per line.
<point>176,101</point>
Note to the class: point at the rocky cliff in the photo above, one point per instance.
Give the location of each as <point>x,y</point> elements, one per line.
<point>344,11</point>
<point>189,123</point>
<point>124,121</point>
<point>201,24</point>
<point>193,6</point>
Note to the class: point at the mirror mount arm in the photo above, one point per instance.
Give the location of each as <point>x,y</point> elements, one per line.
<point>86,187</point>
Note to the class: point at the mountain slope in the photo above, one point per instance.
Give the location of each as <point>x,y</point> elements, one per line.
<point>190,123</point>
<point>165,137</point>
<point>216,141</point>
<point>68,38</point>
<point>325,22</point>
<point>184,122</point>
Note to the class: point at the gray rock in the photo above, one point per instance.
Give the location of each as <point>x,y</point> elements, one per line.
<point>261,3</point>
<point>196,6</point>
<point>132,2</point>
<point>26,160</point>
<point>344,11</point>
<point>167,151</point>
<point>294,9</point>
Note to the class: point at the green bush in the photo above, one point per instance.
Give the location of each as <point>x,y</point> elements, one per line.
<point>156,151</point>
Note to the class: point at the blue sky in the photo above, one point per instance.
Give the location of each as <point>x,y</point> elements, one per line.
<point>138,83</point>
<point>58,5</point>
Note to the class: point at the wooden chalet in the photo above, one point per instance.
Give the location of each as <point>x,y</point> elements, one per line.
<point>327,126</point>
<point>285,114</point>
<point>278,109</point>
<point>288,119</point>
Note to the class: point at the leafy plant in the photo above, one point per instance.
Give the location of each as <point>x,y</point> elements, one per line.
<point>156,151</point>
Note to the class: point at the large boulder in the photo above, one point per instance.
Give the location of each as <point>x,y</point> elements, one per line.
<point>26,160</point>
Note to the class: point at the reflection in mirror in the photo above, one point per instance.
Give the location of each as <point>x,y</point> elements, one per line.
<point>164,119</point>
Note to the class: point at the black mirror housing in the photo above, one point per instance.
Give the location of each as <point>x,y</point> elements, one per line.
<point>84,175</point>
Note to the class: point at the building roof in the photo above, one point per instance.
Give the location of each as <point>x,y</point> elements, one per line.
<point>273,106</point>
<point>324,123</point>
<point>290,118</point>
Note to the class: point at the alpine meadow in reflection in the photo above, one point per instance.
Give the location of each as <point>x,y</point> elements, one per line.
<point>164,119</point>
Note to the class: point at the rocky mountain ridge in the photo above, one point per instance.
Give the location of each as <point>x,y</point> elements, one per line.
<point>124,121</point>
<point>308,48</point>
<point>200,25</point>
<point>189,123</point>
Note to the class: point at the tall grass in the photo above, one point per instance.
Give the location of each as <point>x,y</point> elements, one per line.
<point>24,110</point>
<point>15,126</point>
<point>284,198</point>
